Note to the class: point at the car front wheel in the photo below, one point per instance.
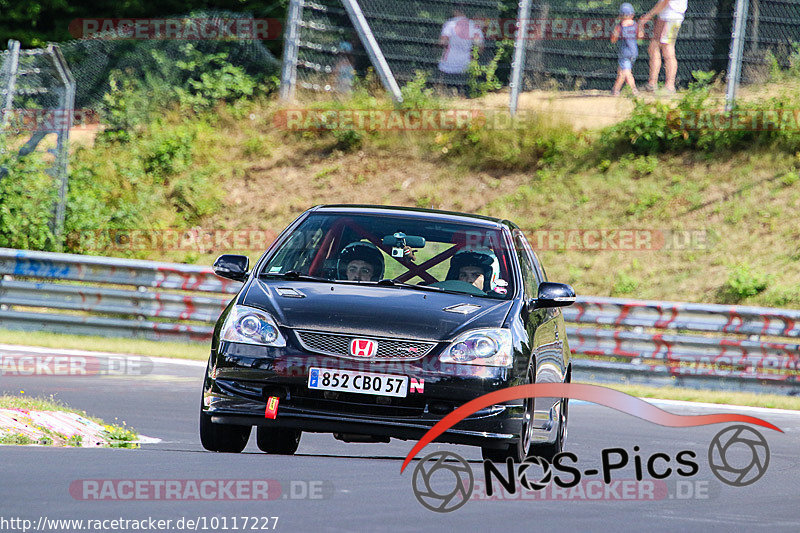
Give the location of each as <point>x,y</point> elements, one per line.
<point>550,450</point>
<point>519,450</point>
<point>222,437</point>
<point>279,441</point>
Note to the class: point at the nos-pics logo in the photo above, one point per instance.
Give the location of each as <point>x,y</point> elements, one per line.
<point>443,481</point>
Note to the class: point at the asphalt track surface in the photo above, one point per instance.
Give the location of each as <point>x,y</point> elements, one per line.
<point>363,489</point>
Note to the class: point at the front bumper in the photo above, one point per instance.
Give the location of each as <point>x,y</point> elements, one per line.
<point>241,378</point>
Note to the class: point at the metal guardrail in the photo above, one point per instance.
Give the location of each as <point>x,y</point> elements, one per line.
<point>687,343</point>
<point>169,302</point>
<point>683,343</point>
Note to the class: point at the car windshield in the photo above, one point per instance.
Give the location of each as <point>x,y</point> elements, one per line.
<point>424,253</point>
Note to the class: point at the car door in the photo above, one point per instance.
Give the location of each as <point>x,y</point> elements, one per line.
<point>542,326</point>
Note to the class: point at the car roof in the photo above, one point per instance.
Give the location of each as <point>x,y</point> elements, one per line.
<point>450,216</point>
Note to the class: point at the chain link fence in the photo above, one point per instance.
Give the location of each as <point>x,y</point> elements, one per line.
<point>772,36</point>
<point>571,48</point>
<point>93,59</point>
<point>408,33</point>
<point>566,42</point>
<point>38,97</point>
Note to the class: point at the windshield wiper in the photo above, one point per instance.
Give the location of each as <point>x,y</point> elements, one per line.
<point>393,283</point>
<point>294,275</point>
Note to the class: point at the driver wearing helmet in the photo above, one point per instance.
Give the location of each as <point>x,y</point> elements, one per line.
<point>476,267</point>
<point>360,261</point>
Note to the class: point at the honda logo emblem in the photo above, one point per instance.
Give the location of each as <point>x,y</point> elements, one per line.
<point>363,348</point>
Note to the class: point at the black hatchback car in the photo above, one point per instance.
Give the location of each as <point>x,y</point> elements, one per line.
<point>373,323</point>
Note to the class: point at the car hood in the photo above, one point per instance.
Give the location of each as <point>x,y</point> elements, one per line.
<point>397,311</point>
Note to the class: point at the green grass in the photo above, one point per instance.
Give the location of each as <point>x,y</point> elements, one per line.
<point>40,403</point>
<point>117,436</point>
<point>775,401</point>
<point>195,351</point>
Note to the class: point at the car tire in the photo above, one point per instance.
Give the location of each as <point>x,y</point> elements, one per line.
<point>222,437</point>
<point>519,450</point>
<point>550,449</point>
<point>278,441</point>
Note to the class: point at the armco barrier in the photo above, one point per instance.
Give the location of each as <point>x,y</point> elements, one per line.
<point>684,343</point>
<point>166,301</point>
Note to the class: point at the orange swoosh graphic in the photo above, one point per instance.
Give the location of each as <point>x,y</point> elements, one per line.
<point>590,393</point>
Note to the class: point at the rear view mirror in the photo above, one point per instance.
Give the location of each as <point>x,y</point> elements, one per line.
<point>232,266</point>
<point>554,295</point>
<point>400,240</point>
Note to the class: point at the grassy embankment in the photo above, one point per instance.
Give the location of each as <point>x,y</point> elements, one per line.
<point>724,202</point>
<point>720,209</point>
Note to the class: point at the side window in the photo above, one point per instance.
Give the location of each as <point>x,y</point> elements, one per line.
<point>528,279</point>
<point>538,269</point>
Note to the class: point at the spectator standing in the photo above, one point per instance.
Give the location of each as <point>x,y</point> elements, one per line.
<point>626,33</point>
<point>344,72</point>
<point>459,35</point>
<point>662,44</point>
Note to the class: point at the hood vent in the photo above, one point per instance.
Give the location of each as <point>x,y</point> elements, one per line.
<point>462,309</point>
<point>289,292</point>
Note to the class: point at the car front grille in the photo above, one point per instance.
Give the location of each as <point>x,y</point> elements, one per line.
<point>339,345</point>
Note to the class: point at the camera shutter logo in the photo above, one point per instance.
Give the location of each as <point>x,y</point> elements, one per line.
<point>726,450</point>
<point>454,481</point>
<point>544,480</point>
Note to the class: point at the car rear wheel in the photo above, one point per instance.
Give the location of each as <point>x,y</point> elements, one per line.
<point>279,441</point>
<point>222,437</point>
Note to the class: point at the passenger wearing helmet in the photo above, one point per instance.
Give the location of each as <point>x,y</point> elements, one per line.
<point>479,268</point>
<point>360,261</point>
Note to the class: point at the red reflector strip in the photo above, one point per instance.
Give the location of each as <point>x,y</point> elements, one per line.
<point>272,407</point>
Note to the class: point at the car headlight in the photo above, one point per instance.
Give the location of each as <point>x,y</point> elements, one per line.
<point>251,326</point>
<point>488,347</point>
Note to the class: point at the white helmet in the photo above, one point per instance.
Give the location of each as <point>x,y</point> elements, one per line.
<point>481,257</point>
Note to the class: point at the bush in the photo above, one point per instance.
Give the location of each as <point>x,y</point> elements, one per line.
<point>194,80</point>
<point>743,283</point>
<point>211,78</point>
<point>483,79</point>
<point>697,122</point>
<point>168,151</point>
<point>27,200</point>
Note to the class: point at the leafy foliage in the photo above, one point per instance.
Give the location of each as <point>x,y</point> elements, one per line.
<point>27,200</point>
<point>697,122</point>
<point>483,79</point>
<point>210,78</point>
<point>743,283</point>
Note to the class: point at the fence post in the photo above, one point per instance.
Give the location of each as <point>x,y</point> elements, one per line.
<point>60,167</point>
<point>373,49</point>
<point>8,89</point>
<point>291,44</point>
<point>737,52</point>
<point>518,64</point>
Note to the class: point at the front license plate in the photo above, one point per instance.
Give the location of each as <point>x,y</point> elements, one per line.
<point>359,382</point>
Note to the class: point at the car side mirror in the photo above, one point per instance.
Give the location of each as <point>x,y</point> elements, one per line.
<point>232,266</point>
<point>553,295</point>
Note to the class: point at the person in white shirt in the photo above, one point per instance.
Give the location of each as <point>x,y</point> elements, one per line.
<point>459,35</point>
<point>662,44</point>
